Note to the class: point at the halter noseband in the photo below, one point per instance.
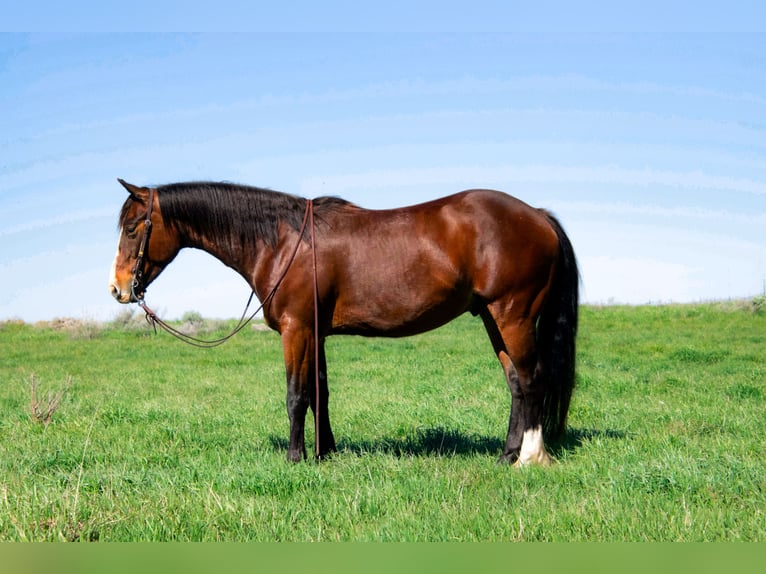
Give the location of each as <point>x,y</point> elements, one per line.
<point>138,272</point>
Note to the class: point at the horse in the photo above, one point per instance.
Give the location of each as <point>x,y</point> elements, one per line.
<point>382,273</point>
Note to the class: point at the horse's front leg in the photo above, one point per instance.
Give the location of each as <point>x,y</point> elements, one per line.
<point>322,414</point>
<point>298,347</point>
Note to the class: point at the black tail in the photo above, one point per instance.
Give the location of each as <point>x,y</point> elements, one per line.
<point>556,335</point>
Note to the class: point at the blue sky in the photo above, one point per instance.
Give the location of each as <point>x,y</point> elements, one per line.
<point>648,142</point>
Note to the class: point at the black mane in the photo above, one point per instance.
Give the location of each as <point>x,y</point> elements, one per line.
<point>238,213</point>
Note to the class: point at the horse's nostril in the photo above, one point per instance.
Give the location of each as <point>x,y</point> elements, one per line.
<point>113,289</point>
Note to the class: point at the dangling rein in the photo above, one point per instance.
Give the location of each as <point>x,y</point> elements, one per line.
<point>154,320</point>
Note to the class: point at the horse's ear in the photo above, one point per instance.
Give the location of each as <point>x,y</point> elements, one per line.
<point>139,193</point>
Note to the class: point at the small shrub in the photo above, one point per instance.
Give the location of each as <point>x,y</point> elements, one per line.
<point>77,329</point>
<point>192,317</point>
<point>129,320</point>
<point>756,305</point>
<point>194,324</point>
<point>123,318</point>
<point>41,410</point>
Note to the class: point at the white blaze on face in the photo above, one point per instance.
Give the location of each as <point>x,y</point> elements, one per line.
<point>113,287</point>
<point>532,448</point>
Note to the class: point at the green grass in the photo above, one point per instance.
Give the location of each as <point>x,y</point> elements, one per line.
<point>159,441</point>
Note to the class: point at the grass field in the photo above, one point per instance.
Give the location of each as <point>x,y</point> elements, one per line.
<point>155,440</point>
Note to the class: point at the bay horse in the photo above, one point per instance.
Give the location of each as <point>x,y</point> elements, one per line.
<point>388,273</point>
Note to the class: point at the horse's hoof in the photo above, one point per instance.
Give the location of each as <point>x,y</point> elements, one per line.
<point>508,458</point>
<point>543,459</point>
<point>295,456</point>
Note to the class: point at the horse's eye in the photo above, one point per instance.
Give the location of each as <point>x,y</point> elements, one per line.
<point>131,230</point>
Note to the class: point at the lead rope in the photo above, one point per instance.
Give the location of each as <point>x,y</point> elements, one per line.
<point>316,329</point>
<point>154,320</point>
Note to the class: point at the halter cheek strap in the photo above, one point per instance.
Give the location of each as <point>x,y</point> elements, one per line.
<point>138,267</point>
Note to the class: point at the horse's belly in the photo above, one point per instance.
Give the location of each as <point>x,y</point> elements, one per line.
<point>393,313</point>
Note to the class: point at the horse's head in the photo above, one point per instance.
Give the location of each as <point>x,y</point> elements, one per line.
<point>146,245</point>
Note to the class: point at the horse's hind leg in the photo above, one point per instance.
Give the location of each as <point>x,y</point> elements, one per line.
<point>514,344</point>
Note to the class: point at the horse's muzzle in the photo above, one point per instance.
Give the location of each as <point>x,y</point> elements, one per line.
<point>122,295</point>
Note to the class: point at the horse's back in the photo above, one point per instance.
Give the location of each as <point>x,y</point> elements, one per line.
<point>407,270</point>
<point>476,212</point>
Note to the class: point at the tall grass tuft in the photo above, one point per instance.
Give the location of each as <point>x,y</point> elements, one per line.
<point>42,408</point>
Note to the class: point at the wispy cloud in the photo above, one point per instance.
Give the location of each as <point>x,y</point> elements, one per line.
<point>639,209</point>
<point>63,219</point>
<point>540,173</point>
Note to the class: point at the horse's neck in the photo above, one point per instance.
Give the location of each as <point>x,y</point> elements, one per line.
<point>252,261</point>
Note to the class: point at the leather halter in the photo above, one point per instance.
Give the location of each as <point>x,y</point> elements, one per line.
<point>138,266</point>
